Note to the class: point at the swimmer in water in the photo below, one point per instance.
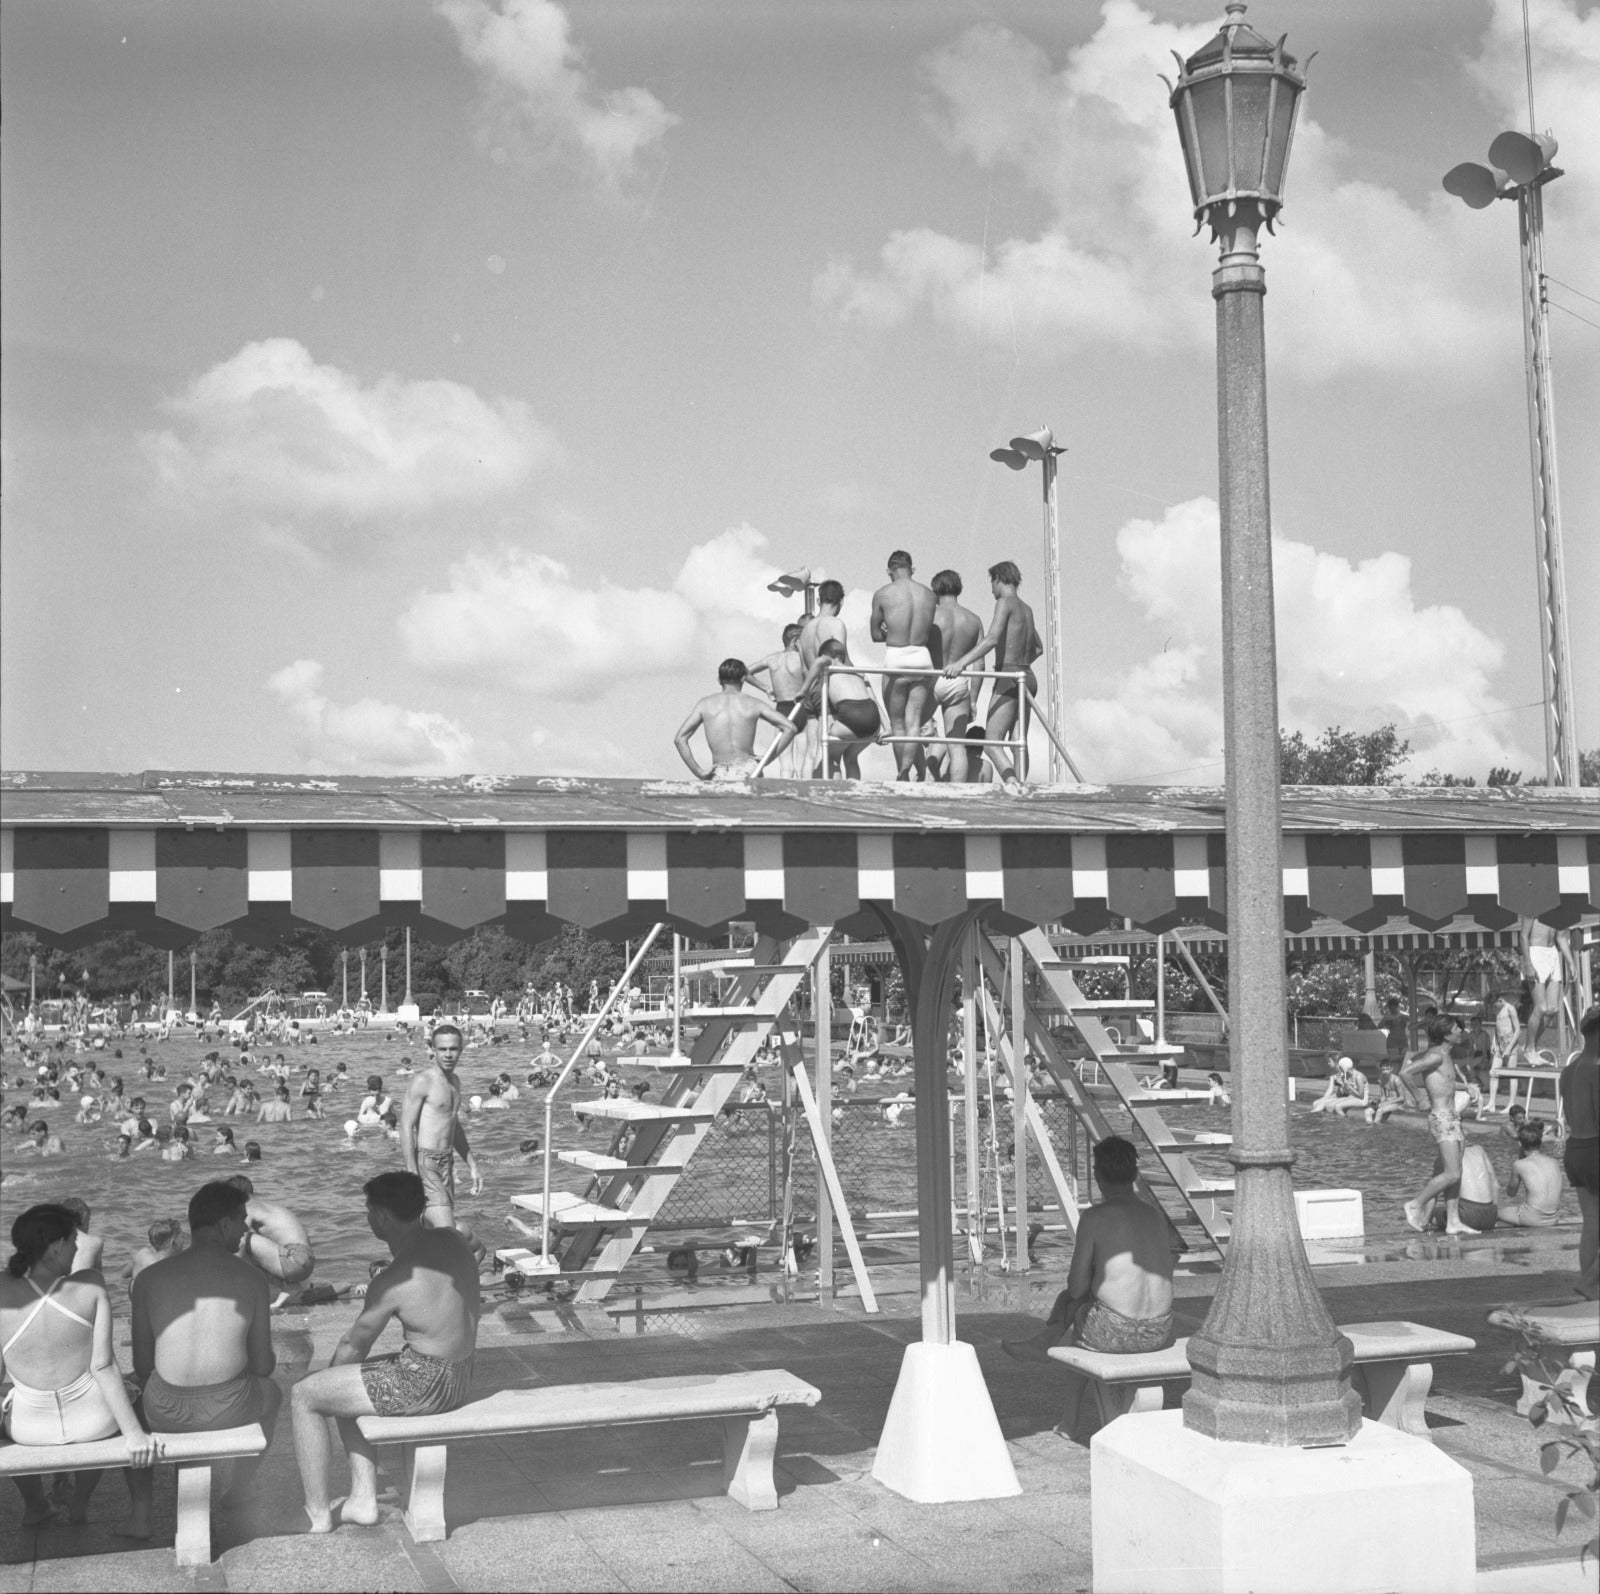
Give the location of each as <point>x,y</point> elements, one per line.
<point>351,1130</point>
<point>224,1146</point>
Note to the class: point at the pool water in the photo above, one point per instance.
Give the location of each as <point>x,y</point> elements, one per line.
<point>307,1166</point>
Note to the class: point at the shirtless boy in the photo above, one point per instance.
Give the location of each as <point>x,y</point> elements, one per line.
<point>431,1134</point>
<point>729,720</point>
<point>902,619</point>
<point>959,631</point>
<point>1533,1192</point>
<point>431,1286</point>
<point>202,1330</point>
<point>1119,1289</point>
<point>784,670</point>
<point>1434,1067</point>
<point>852,710</point>
<point>1013,638</point>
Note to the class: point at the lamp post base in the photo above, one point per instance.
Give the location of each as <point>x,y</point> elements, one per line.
<point>941,1439</point>
<point>1174,1512</point>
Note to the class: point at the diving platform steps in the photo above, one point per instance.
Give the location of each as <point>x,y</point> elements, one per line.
<point>593,1235</point>
<point>1200,1195</point>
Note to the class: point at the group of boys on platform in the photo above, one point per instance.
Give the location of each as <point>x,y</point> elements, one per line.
<point>932,645</point>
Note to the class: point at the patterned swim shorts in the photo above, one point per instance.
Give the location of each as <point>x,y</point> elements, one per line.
<point>409,1384</point>
<point>1444,1125</point>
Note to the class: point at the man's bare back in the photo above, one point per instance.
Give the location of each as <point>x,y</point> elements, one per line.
<point>1018,644</point>
<point>959,628</point>
<point>433,1290</point>
<point>902,614</point>
<point>728,719</point>
<point>206,1317</point>
<point>1130,1256</point>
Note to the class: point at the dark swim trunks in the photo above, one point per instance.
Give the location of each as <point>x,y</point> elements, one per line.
<point>202,1408</point>
<point>409,1384</point>
<point>1479,1215</point>
<point>783,705</point>
<point>858,715</point>
<point>1581,1159</point>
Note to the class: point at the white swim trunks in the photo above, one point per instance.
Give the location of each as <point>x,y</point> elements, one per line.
<point>951,691</point>
<point>908,658</point>
<point>739,769</point>
<point>1546,961</point>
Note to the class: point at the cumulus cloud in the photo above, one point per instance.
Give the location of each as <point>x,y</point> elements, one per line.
<point>528,621</point>
<point>1116,264</point>
<point>367,735</point>
<point>540,96</point>
<point>1355,648</point>
<point>272,431</point>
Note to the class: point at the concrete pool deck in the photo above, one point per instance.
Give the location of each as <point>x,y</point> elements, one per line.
<point>642,1508</point>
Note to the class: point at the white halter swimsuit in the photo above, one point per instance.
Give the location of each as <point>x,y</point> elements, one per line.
<point>71,1415</point>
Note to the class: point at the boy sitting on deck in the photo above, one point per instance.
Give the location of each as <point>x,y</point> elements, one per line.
<point>1119,1290</point>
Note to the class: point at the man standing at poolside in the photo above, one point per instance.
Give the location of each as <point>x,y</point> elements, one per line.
<point>729,720</point>
<point>959,632</point>
<point>431,1134</point>
<point>902,619</point>
<point>1435,1067</point>
<point>202,1334</point>
<point>1013,638</point>
<point>432,1288</point>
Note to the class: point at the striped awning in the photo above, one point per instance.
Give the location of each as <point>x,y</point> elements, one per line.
<point>170,861</point>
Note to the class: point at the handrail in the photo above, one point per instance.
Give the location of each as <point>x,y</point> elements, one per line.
<point>1049,731</point>
<point>622,984</point>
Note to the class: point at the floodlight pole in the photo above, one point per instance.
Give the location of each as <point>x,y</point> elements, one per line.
<point>1055,661</point>
<point>1560,729</point>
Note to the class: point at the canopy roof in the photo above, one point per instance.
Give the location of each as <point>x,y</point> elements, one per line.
<point>170,855</point>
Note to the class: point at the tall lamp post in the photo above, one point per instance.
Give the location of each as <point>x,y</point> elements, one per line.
<point>1520,167</point>
<point>1042,446</point>
<point>1269,1365</point>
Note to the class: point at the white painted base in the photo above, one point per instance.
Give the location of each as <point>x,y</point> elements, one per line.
<point>1330,1214</point>
<point>408,1013</point>
<point>941,1439</point>
<point>1177,1513</point>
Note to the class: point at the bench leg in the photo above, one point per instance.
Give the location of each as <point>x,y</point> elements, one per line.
<point>1396,1393</point>
<point>425,1466</point>
<point>192,1545</point>
<point>748,1446</point>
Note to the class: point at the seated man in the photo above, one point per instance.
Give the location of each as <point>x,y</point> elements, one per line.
<point>275,1241</point>
<point>1346,1092</point>
<point>202,1333</point>
<point>1119,1290</point>
<point>1475,1207</point>
<point>1533,1192</point>
<point>432,1288</point>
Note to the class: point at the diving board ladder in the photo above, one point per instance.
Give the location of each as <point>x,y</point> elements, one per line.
<point>1201,1196</point>
<point>602,1229</point>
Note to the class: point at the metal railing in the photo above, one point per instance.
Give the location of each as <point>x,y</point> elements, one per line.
<point>578,1051</point>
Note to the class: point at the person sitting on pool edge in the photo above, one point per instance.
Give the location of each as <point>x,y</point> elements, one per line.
<point>1119,1290</point>
<point>432,1288</point>
<point>1533,1192</point>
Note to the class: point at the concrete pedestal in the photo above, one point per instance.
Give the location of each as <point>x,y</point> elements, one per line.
<point>941,1439</point>
<point>408,1013</point>
<point>1175,1512</point>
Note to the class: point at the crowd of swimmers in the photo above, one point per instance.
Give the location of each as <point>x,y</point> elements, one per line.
<point>938,660</point>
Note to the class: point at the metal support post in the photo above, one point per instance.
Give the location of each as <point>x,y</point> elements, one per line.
<point>822,1018</point>
<point>1019,1102</point>
<point>969,1082</point>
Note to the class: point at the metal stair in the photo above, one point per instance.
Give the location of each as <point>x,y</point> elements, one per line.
<point>595,1234</point>
<point>1200,1195</point>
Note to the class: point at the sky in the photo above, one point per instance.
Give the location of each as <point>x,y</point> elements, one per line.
<point>389,387</point>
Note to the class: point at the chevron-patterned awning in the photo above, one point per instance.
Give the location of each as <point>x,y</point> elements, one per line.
<point>169,856</point>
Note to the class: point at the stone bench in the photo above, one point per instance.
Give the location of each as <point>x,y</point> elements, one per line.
<point>1561,1323</point>
<point>745,1402</point>
<point>192,1454</point>
<point>1392,1371</point>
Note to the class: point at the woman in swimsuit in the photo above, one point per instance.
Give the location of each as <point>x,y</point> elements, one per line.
<point>73,1391</point>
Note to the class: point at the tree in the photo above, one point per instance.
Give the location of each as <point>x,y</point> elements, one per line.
<point>1342,758</point>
